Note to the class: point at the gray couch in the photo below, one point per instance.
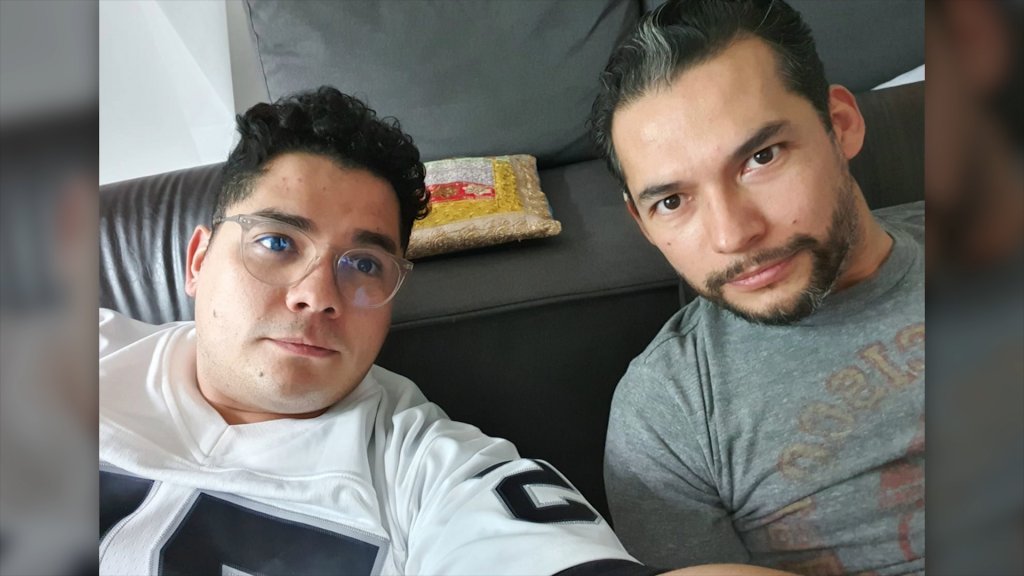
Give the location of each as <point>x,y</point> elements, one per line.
<point>526,340</point>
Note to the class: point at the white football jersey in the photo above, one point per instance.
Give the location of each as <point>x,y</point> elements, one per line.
<point>382,483</point>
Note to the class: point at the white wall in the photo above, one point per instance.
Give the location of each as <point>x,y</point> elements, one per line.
<point>246,72</point>
<point>167,96</point>
<point>915,75</point>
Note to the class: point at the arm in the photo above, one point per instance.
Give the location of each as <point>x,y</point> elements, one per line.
<point>468,504</point>
<point>726,570</point>
<point>620,568</point>
<point>659,464</point>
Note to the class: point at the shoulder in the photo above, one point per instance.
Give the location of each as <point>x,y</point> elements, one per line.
<point>449,479</point>
<point>401,393</point>
<point>416,427</point>
<point>681,328</point>
<point>668,371</point>
<point>906,217</point>
<point>422,445</point>
<point>117,331</point>
<point>676,345</point>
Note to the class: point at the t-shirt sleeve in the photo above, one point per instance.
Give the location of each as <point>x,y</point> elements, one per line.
<point>117,331</point>
<point>470,505</point>
<point>658,473</point>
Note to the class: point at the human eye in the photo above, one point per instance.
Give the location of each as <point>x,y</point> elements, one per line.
<point>668,204</point>
<point>364,263</point>
<point>278,243</point>
<point>762,158</point>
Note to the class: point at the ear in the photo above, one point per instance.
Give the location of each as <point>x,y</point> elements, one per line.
<point>196,254</point>
<point>631,207</point>
<point>847,122</point>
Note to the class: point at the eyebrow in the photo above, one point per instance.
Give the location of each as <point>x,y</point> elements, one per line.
<point>300,222</point>
<point>752,144</point>
<point>758,140</point>
<point>364,237</point>
<point>658,190</point>
<point>376,239</point>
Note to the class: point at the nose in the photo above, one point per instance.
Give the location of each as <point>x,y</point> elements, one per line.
<point>317,292</point>
<point>732,220</point>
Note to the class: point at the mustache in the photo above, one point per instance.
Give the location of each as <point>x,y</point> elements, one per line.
<point>799,242</point>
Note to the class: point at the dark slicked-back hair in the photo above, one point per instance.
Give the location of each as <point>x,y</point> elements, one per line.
<point>334,125</point>
<point>681,34</point>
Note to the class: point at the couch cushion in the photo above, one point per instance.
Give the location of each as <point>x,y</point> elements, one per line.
<point>599,252</point>
<point>890,167</point>
<point>865,42</point>
<point>466,78</point>
<point>861,42</point>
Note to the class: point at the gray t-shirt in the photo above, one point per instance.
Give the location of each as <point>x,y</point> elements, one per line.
<point>799,447</point>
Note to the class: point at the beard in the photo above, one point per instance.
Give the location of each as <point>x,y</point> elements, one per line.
<point>828,262</point>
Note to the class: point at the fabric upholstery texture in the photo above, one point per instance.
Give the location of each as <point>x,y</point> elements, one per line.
<point>895,133</point>
<point>444,67</point>
<point>861,42</point>
<point>145,225</point>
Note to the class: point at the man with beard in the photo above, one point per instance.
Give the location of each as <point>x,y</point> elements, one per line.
<point>777,419</point>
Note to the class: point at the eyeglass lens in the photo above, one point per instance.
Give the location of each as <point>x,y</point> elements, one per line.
<point>279,254</point>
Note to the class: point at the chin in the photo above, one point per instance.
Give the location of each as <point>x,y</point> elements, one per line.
<point>778,310</point>
<point>299,403</point>
<point>306,391</point>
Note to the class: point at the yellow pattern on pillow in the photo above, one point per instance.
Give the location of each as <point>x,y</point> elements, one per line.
<point>478,202</point>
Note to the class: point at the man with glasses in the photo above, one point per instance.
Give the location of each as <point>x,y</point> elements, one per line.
<point>261,439</point>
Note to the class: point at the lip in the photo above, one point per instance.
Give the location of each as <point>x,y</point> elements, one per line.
<point>302,348</point>
<point>763,276</point>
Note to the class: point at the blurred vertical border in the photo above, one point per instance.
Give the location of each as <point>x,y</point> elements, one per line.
<point>974,180</point>
<point>48,279</point>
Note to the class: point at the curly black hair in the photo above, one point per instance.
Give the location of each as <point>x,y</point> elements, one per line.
<point>332,124</point>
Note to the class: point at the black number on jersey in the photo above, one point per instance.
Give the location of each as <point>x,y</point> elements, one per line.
<point>218,536</point>
<point>120,495</point>
<point>216,533</point>
<point>514,493</point>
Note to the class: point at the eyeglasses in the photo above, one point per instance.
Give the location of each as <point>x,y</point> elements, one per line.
<point>282,255</point>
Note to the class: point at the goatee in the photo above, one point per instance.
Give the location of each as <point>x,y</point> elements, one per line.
<point>829,261</point>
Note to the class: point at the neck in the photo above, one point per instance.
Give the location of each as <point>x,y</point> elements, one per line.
<point>869,253</point>
<point>234,414</point>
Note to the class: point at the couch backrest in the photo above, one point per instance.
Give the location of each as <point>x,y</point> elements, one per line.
<point>465,78</point>
<point>478,78</point>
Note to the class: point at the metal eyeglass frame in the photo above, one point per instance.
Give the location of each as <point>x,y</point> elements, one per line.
<point>247,221</point>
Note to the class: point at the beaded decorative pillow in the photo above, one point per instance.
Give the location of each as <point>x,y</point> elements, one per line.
<point>476,202</point>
